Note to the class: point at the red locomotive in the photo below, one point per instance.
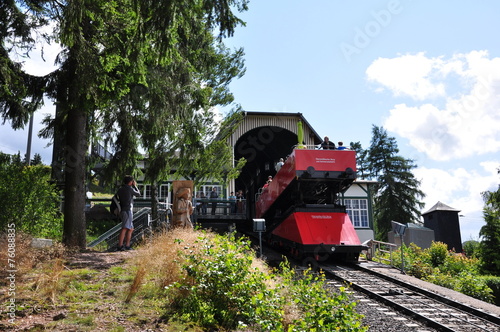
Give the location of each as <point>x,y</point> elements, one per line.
<point>300,205</point>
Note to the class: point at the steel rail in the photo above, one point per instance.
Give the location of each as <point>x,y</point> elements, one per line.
<point>388,290</point>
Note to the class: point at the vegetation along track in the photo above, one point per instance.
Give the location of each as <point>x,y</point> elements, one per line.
<point>431,309</point>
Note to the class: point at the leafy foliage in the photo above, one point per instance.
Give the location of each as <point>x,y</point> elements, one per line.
<point>490,233</point>
<point>472,248</point>
<point>33,202</point>
<point>216,282</point>
<point>445,268</point>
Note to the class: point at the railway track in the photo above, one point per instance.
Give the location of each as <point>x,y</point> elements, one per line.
<point>432,310</point>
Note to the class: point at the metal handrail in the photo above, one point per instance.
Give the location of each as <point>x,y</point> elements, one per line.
<point>380,247</point>
<point>111,236</point>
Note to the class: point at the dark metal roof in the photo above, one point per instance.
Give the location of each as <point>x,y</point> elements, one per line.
<point>440,207</point>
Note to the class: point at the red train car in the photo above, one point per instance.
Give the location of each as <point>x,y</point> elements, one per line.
<point>300,206</point>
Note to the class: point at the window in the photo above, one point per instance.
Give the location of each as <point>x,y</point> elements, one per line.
<point>207,189</point>
<point>164,190</point>
<point>147,191</point>
<point>357,209</point>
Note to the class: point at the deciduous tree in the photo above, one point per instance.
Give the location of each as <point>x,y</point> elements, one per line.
<point>490,233</point>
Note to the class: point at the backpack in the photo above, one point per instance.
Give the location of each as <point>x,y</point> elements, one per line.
<point>115,207</point>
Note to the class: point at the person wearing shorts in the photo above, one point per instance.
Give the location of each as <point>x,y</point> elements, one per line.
<point>126,196</point>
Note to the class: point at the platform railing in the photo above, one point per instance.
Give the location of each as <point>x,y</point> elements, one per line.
<point>315,147</point>
<point>219,207</point>
<point>378,247</point>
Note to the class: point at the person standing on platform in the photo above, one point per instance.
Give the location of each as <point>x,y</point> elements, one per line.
<point>126,195</point>
<point>213,196</point>
<point>232,202</point>
<point>240,202</point>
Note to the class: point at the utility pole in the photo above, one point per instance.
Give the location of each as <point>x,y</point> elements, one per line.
<point>30,135</point>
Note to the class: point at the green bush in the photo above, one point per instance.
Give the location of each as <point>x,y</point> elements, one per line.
<point>472,248</point>
<point>445,268</point>
<point>442,279</point>
<point>458,263</point>
<point>31,201</point>
<point>222,290</point>
<point>438,253</point>
<point>493,283</point>
<point>475,286</point>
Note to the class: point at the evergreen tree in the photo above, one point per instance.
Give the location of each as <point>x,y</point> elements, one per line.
<point>396,195</point>
<point>37,160</point>
<point>490,233</point>
<point>361,156</point>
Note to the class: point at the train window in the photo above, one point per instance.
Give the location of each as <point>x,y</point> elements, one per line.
<point>357,209</point>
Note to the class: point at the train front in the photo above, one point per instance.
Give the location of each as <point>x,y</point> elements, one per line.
<point>301,205</point>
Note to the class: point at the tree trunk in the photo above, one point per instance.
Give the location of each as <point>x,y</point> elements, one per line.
<point>74,232</point>
<point>154,204</point>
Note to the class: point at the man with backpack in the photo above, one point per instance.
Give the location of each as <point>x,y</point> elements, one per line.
<point>126,195</point>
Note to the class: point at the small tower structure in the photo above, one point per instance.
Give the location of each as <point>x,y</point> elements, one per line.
<point>444,221</point>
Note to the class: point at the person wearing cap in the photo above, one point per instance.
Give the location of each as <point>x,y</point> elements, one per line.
<point>126,195</point>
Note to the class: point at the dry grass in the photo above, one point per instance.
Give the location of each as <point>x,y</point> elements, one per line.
<point>159,259</point>
<point>26,257</point>
<point>48,281</point>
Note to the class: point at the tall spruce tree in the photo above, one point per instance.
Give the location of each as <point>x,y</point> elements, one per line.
<point>397,194</point>
<point>490,233</point>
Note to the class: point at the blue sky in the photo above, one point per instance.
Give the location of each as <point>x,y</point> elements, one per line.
<point>427,71</point>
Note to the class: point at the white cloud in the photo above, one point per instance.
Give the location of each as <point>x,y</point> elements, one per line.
<point>467,121</point>
<point>461,189</point>
<point>407,75</point>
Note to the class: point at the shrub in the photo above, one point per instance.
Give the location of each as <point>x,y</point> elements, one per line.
<point>458,263</point>
<point>320,310</point>
<point>222,290</point>
<point>493,283</point>
<point>474,285</point>
<point>445,268</point>
<point>217,283</point>
<point>442,279</point>
<point>33,202</point>
<point>472,248</point>
<point>438,253</point>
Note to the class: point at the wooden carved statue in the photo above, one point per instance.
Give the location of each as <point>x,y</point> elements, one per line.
<point>183,209</point>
